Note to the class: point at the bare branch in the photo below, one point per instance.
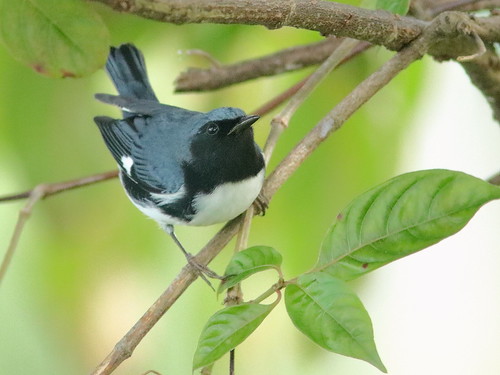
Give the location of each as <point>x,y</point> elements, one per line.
<point>281,121</point>
<point>39,192</point>
<point>290,59</point>
<point>35,195</point>
<point>465,6</point>
<point>279,99</point>
<point>58,187</point>
<point>484,73</point>
<point>330,123</point>
<point>495,180</point>
<point>329,18</point>
<point>125,347</point>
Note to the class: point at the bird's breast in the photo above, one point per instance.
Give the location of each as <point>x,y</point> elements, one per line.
<point>226,201</point>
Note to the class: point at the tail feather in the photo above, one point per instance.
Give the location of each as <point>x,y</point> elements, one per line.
<point>127,70</point>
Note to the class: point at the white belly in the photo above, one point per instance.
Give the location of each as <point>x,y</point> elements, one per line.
<point>226,201</point>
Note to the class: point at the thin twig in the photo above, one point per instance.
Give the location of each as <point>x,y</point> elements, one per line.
<point>495,180</point>
<point>287,60</point>
<point>198,52</point>
<point>279,99</point>
<point>59,187</point>
<point>465,5</point>
<point>231,362</point>
<point>332,122</point>
<point>281,121</point>
<point>342,50</point>
<point>481,50</point>
<point>34,195</point>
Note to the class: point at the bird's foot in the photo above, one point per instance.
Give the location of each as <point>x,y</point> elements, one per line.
<point>203,271</point>
<point>261,203</point>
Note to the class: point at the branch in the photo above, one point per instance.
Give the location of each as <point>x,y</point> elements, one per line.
<point>484,72</point>
<point>329,124</point>
<point>465,6</point>
<point>45,190</point>
<point>328,18</point>
<point>125,347</point>
<point>495,180</point>
<point>34,195</point>
<point>58,187</point>
<point>290,59</point>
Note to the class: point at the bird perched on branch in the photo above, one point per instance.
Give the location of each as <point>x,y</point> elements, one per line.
<point>177,166</point>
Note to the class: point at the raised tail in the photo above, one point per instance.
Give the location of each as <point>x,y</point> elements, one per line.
<point>127,70</point>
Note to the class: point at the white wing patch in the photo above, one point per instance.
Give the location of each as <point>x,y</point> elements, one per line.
<point>127,163</point>
<point>164,198</point>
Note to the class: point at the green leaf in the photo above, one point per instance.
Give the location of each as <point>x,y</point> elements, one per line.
<point>394,6</point>
<point>403,215</point>
<point>226,329</point>
<point>247,262</point>
<point>56,38</point>
<point>326,311</point>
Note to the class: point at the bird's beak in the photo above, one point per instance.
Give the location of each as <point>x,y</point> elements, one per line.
<point>244,123</point>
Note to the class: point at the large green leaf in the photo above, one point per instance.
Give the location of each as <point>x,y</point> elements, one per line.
<point>249,261</point>
<point>56,38</point>
<point>326,311</point>
<point>403,215</point>
<point>226,329</point>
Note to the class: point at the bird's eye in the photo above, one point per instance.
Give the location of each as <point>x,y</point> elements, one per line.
<point>213,129</point>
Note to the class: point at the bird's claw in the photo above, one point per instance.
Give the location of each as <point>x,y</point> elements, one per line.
<point>261,203</point>
<point>203,271</point>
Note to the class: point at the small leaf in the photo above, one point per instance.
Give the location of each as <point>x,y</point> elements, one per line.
<point>399,217</point>
<point>226,329</point>
<point>394,6</point>
<point>326,311</point>
<point>56,38</point>
<point>247,262</point>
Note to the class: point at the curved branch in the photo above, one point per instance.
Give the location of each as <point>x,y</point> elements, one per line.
<point>328,18</point>
<point>58,187</point>
<point>330,123</point>
<point>287,60</point>
<point>484,72</point>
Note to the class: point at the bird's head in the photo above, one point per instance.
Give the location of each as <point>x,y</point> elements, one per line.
<point>224,140</point>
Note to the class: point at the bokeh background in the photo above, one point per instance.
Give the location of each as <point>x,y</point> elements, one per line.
<point>89,264</point>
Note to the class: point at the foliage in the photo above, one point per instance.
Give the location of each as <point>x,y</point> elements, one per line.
<point>58,39</point>
<point>406,214</point>
<point>108,244</point>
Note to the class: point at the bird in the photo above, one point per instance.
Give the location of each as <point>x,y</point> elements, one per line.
<point>178,166</point>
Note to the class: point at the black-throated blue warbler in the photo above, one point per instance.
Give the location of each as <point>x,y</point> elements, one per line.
<point>177,166</point>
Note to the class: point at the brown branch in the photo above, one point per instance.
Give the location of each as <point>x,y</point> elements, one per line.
<point>279,99</point>
<point>45,190</point>
<point>125,347</point>
<point>34,196</point>
<point>330,123</point>
<point>465,6</point>
<point>328,18</point>
<point>39,192</point>
<point>58,187</point>
<point>495,180</point>
<point>290,59</point>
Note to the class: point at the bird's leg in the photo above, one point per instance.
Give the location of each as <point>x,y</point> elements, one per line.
<point>202,270</point>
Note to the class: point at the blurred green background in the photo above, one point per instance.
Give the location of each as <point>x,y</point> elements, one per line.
<point>89,263</point>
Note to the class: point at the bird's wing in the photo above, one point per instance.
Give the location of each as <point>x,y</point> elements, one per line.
<point>132,105</point>
<point>150,162</point>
